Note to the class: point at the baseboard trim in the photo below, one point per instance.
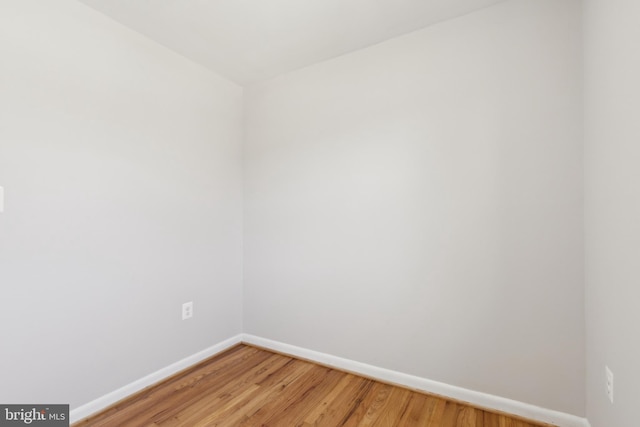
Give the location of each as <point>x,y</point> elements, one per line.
<point>105,401</point>
<point>476,398</point>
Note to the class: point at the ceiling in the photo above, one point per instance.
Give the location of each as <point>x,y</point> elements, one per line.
<point>251,40</point>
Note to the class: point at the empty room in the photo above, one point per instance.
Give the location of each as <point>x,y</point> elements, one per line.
<point>320,213</point>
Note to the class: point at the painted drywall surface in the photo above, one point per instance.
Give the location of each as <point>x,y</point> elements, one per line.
<point>418,205</point>
<point>252,40</point>
<point>612,209</point>
<point>121,163</point>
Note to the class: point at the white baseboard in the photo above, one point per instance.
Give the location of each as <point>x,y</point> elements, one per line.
<point>458,393</point>
<point>103,402</point>
<point>484,400</point>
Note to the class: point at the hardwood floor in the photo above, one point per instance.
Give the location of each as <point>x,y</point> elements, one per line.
<point>248,386</point>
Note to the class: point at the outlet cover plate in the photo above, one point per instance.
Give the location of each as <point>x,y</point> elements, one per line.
<point>609,383</point>
<point>187,310</point>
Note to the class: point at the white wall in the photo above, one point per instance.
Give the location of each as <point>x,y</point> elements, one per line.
<point>612,208</point>
<point>417,205</point>
<point>121,163</point>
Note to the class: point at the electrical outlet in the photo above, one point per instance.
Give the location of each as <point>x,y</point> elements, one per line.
<point>609,383</point>
<point>187,310</point>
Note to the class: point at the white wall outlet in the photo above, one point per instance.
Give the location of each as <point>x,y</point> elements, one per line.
<point>609,383</point>
<point>187,310</point>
